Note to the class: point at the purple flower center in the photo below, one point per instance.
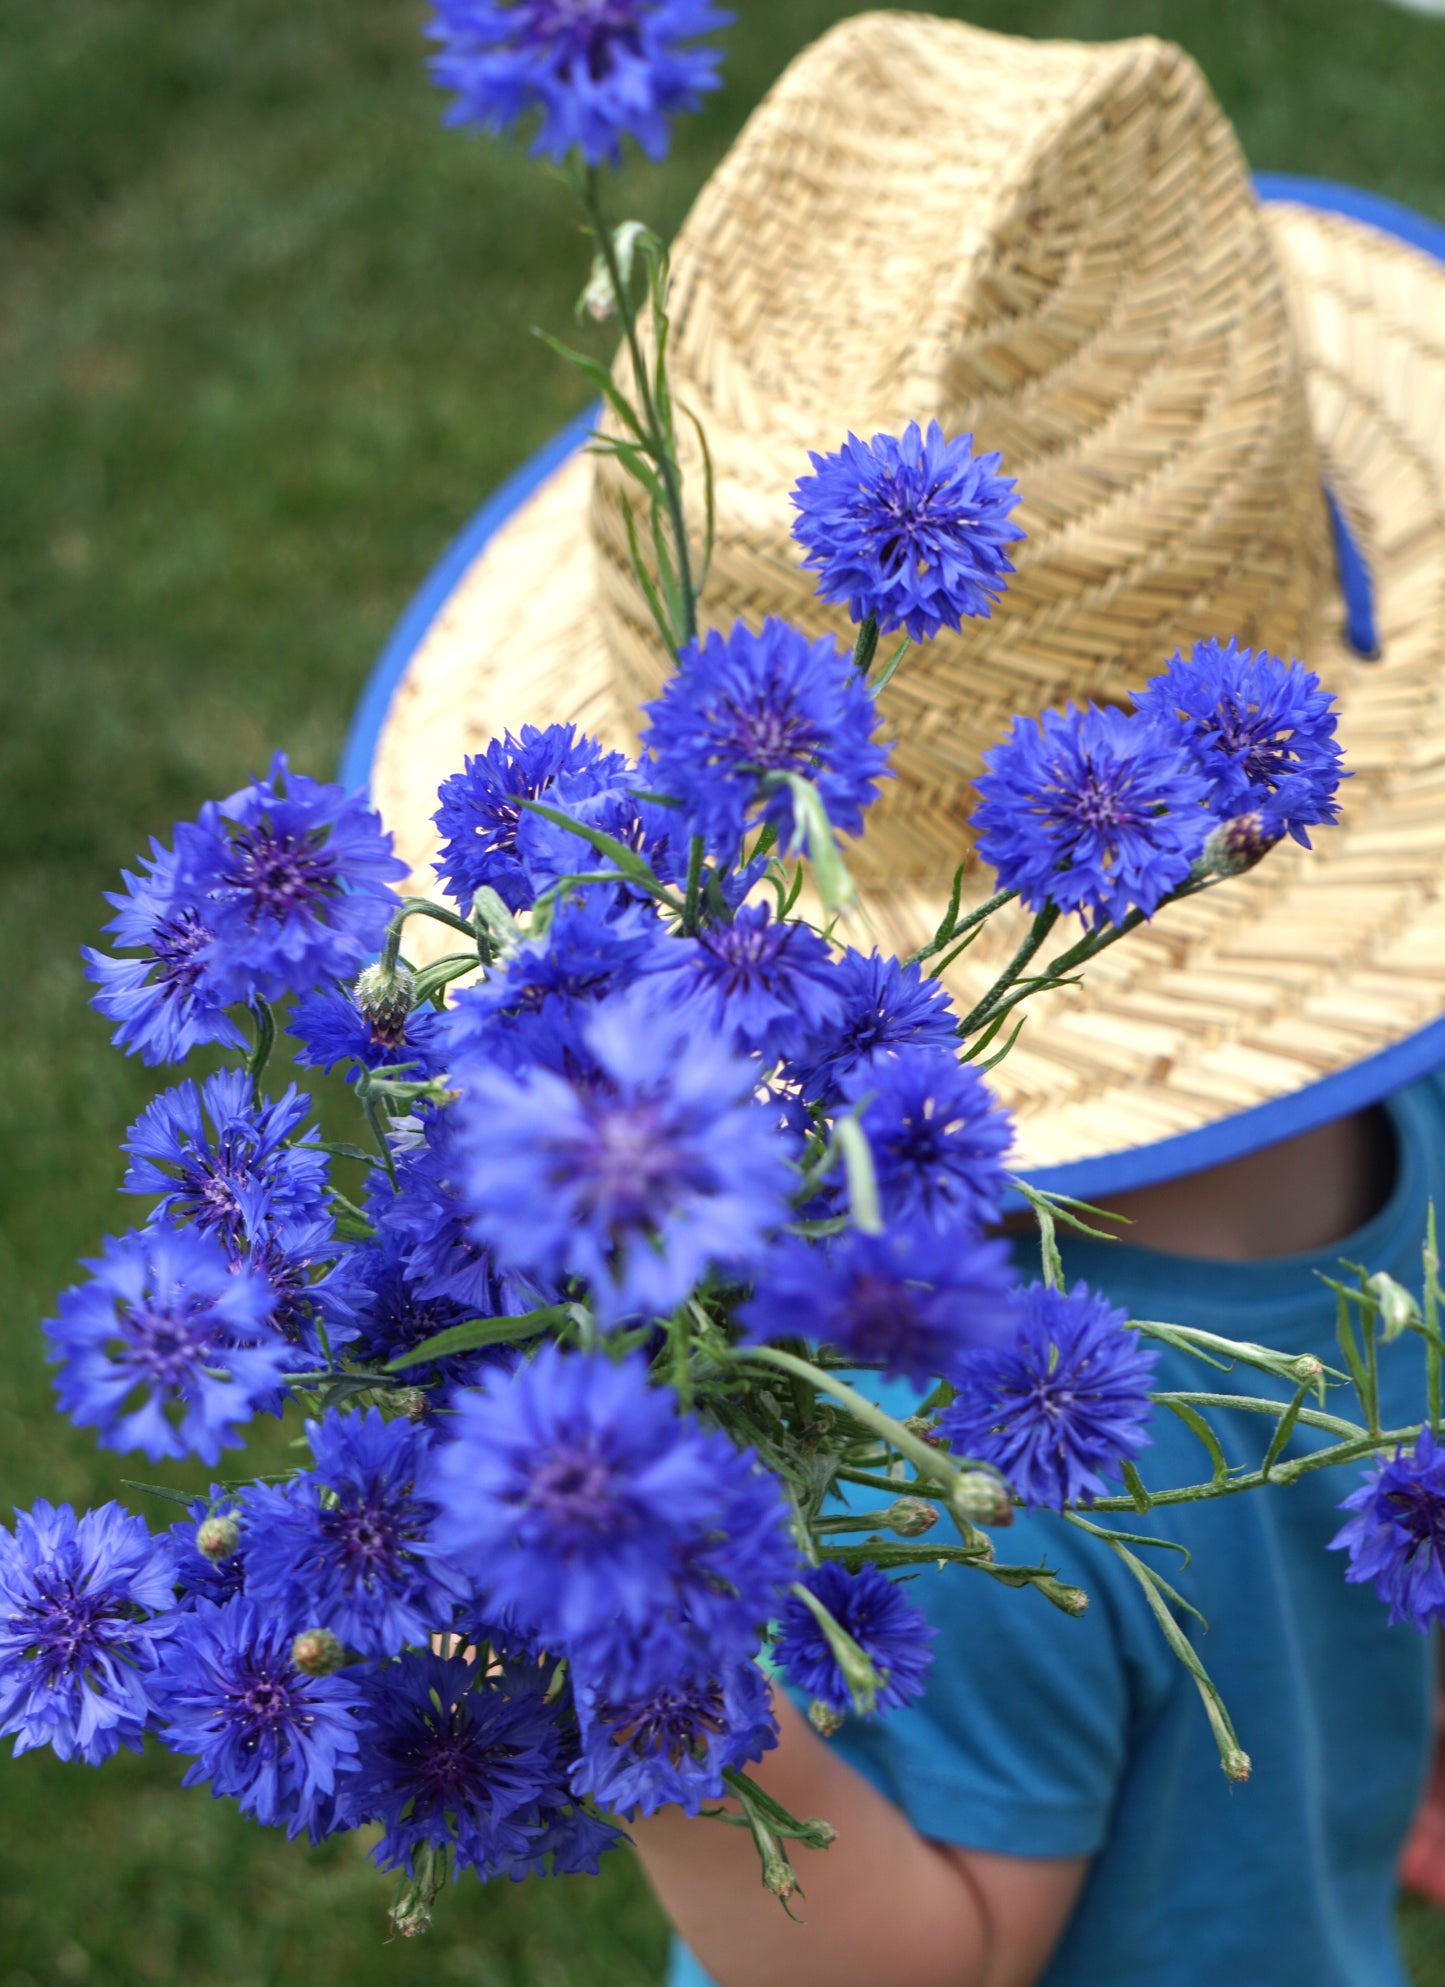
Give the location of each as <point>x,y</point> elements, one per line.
<point>1419,1511</point>
<point>280,872</point>
<point>630,1169</point>
<point>166,1347</point>
<point>774,737</point>
<point>906,521</point>
<point>260,1702</point>
<point>740,955</point>
<point>370,1537</point>
<point>882,1316</point>
<point>584,31</point>
<point>675,1723</point>
<point>576,1487</point>
<point>1264,757</point>
<point>178,943</point>
<point>66,1625</point>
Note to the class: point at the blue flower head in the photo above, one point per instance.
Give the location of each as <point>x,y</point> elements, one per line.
<point>344,1545</point>
<point>1396,1537</point>
<point>1061,1406</point>
<point>301,1264</point>
<point>743,712</point>
<point>166,1001</point>
<point>197,1577</point>
<point>1261,730</point>
<point>294,878</point>
<point>592,71</point>
<point>638,1182</point>
<point>84,1605</point>
<point>892,1633</point>
<point>200,1146</point>
<point>424,1221</point>
<point>1095,810</point>
<point>332,1029</point>
<point>168,1347</point>
<point>393,1317</point>
<point>257,1728</point>
<point>672,1741</point>
<point>915,1301</point>
<point>548,852</point>
<point>481,808</point>
<point>581,1504</point>
<point>886,1006</point>
<point>762,985</point>
<point>450,1760</point>
<point>937,1135</point>
<point>911,529</point>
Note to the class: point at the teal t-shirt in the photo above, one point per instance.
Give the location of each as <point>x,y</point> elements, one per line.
<point>1041,1735</point>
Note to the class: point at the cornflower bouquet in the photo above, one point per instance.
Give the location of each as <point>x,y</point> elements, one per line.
<point>654,1171</point>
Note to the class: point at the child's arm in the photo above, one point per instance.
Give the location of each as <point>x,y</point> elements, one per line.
<point>882,1905</point>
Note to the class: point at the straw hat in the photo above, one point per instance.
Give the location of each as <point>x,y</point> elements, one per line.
<point>1057,247</point>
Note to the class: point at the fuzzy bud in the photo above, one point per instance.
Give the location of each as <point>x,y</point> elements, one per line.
<point>1398,1309</point>
<point>1072,1600</point>
<point>825,1719</point>
<point>910,1517</point>
<point>1237,845</point>
<point>1306,1367</point>
<point>217,1538</point>
<point>778,1875</point>
<point>924,1427</point>
<point>412,1402</point>
<point>982,1498</point>
<point>1237,1765</point>
<point>316,1652</point>
<point>385,998</point>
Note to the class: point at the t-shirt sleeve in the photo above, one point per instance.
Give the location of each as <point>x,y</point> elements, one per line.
<point>1020,1740</point>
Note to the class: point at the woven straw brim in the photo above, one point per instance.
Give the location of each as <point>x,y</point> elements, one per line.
<point>1254,991</point>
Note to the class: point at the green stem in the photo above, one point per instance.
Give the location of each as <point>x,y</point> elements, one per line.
<point>957,928</point>
<point>1042,925</point>
<point>694,886</point>
<point>418,907</point>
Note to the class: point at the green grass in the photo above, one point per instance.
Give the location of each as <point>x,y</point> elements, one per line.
<point>263,348</point>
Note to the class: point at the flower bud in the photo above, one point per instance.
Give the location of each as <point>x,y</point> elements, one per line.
<point>825,1719</point>
<point>1072,1600</point>
<point>1398,1308</point>
<point>982,1498</point>
<point>1237,1765</point>
<point>217,1538</point>
<point>1306,1367</point>
<point>412,1402</point>
<point>910,1517</point>
<point>924,1427</point>
<point>316,1652</point>
<point>386,997</point>
<point>778,1875</point>
<point>1237,845</point>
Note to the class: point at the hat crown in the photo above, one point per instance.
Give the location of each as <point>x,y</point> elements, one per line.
<point>1056,247</point>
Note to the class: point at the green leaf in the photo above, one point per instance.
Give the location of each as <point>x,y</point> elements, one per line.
<point>1285,1427</point>
<point>629,863</point>
<point>1197,1425</point>
<point>185,1498</point>
<point>863,1201</point>
<point>815,831</point>
<point>600,377</point>
<point>886,673</point>
<point>474,1333</point>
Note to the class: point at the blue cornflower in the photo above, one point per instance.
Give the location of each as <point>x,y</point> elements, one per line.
<point>344,1545</point>
<point>301,1263</point>
<point>893,1634</point>
<point>1094,809</point>
<point>480,808</point>
<point>548,852</point>
<point>581,1503</point>
<point>886,1005</point>
<point>165,1003</point>
<point>165,1318</point>
<point>1262,731</point>
<point>332,1029</point>
<point>450,1760</point>
<point>637,1183</point>
<point>593,71</point>
<point>1060,1406</point>
<point>910,529</point>
<point>1396,1537</point>
<point>428,1226</point>
<point>393,1317</point>
<point>199,1578</point>
<point>294,878</point>
<point>914,1301</point>
<point>256,1727</point>
<point>937,1134</point>
<point>201,1146</point>
<point>760,985</point>
<point>740,713</point>
<point>673,1741</point>
<point>84,1604</point>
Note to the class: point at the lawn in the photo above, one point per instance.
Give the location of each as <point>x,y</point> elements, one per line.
<point>263,348</point>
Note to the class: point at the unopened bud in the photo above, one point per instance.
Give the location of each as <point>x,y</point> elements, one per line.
<point>1072,1600</point>
<point>1237,1765</point>
<point>412,1402</point>
<point>910,1517</point>
<point>316,1652</point>
<point>1237,845</point>
<point>386,997</point>
<point>778,1875</point>
<point>411,1916</point>
<point>815,1833</point>
<point>217,1538</point>
<point>825,1719</point>
<point>982,1498</point>
<point>1398,1308</point>
<point>924,1427</point>
<point>1306,1368</point>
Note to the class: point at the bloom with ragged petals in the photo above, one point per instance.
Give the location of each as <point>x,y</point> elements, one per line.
<point>168,1348</point>
<point>165,1001</point>
<point>592,72</point>
<point>938,1136</point>
<point>332,1028</point>
<point>580,1502</point>
<point>893,1634</point>
<point>201,1146</point>
<point>671,1742</point>
<point>743,713</point>
<point>344,1544</point>
<point>1396,1536</point>
<point>638,1182</point>
<point>449,1759</point>
<point>392,1317</point>
<point>1262,731</point>
<point>1093,809</point>
<point>256,1727</point>
<point>910,529</point>
<point>887,1005</point>
<point>84,1606</point>
<point>294,878</point>
<point>916,1302</point>
<point>1062,1404</point>
<point>761,984</point>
